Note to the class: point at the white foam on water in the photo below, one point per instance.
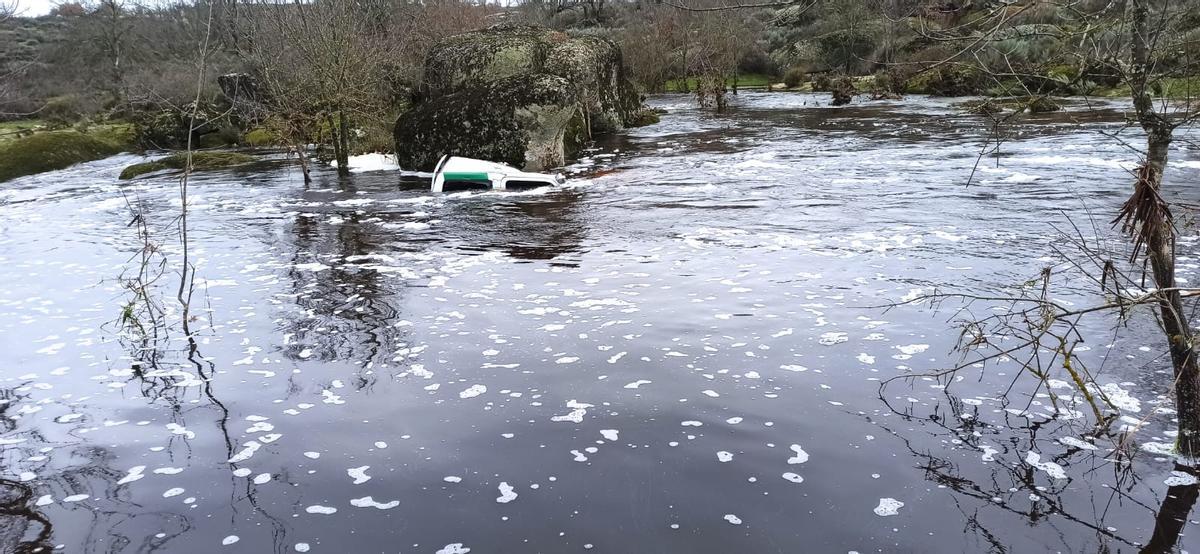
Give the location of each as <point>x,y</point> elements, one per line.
<point>833,337</point>
<point>637,383</point>
<point>609,434</point>
<point>912,349</point>
<point>134,474</point>
<point>733,519</point>
<point>578,410</point>
<point>1121,398</point>
<point>322,510</point>
<point>231,539</point>
<point>246,452</point>
<point>888,507</point>
<point>368,502</point>
<point>793,477</point>
<point>472,391</point>
<point>724,456</point>
<point>507,494</point>
<point>800,457</point>
<point>359,474</point>
<point>453,548</point>
<point>1052,469</point>
<point>1179,478</point>
<point>1077,443</point>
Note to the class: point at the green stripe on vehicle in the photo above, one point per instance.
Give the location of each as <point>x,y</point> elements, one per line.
<point>465,176</point>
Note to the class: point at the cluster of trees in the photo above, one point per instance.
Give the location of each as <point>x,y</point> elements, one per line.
<point>337,73</point>
<point>326,72</point>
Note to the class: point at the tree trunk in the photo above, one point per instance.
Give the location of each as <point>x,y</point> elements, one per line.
<point>1159,235</point>
<point>1160,248</point>
<point>343,149</point>
<point>303,164</point>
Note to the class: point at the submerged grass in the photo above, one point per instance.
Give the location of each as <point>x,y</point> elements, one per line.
<point>201,161</point>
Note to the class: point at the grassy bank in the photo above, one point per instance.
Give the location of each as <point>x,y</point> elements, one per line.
<point>26,149</point>
<point>751,80</point>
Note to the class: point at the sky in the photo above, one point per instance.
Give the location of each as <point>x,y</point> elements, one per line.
<point>32,8</point>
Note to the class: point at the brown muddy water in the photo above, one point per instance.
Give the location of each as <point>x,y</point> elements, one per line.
<point>677,352</point>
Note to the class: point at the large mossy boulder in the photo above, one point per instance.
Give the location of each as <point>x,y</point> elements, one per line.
<point>529,121</point>
<point>519,94</point>
<point>53,150</point>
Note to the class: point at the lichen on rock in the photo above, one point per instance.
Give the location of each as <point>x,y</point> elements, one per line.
<point>521,120</point>
<point>518,94</point>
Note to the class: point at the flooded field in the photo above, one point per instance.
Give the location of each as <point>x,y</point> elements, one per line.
<point>680,351</point>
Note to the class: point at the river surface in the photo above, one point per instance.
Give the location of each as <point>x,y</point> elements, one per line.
<point>679,351</point>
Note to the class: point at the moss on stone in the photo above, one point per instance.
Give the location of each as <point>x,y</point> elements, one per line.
<point>201,161</point>
<point>524,95</point>
<point>259,137</point>
<point>645,116</point>
<point>504,121</point>
<point>1026,104</point>
<point>53,150</point>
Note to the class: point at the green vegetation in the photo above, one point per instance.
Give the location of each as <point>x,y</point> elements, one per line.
<point>13,129</point>
<point>259,137</point>
<point>51,150</point>
<point>751,80</point>
<point>201,161</point>
<point>1025,104</point>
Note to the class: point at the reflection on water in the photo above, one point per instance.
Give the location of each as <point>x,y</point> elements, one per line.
<point>670,354</point>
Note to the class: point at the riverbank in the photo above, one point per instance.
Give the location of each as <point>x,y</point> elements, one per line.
<point>26,147</point>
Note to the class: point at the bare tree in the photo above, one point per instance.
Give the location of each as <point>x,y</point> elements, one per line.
<point>112,37</point>
<point>324,66</point>
<point>1138,44</point>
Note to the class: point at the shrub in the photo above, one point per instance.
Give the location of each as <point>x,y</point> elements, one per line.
<point>843,91</point>
<point>794,77</point>
<point>846,49</point>
<point>62,111</point>
<point>949,80</point>
<point>821,82</point>
<point>259,136</point>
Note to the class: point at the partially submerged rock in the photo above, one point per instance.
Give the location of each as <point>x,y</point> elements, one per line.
<point>201,161</point>
<point>525,121</point>
<point>518,94</point>
<point>1021,104</point>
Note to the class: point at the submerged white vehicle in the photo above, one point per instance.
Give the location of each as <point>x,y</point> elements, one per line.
<point>454,173</point>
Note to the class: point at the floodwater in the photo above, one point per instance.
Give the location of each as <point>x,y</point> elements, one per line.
<point>680,351</point>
